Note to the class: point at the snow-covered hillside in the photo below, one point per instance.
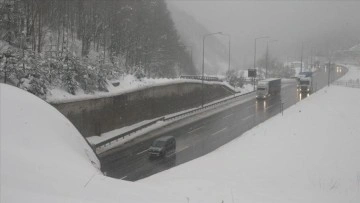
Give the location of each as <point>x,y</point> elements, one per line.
<point>125,84</point>
<point>45,159</point>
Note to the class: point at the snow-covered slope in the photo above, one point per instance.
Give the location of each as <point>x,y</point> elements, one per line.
<point>45,159</point>
<point>311,154</point>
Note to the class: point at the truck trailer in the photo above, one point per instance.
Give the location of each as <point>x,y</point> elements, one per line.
<point>268,87</point>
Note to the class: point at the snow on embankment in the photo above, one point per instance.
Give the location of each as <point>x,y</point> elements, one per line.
<point>311,154</point>
<point>353,74</point>
<point>126,84</point>
<point>45,159</point>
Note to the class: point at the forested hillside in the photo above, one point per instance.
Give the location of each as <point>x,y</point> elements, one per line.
<point>82,44</point>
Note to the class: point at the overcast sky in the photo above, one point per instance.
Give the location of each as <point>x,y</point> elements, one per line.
<point>320,25</point>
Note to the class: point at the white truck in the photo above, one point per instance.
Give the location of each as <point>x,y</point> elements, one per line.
<point>306,83</point>
<point>268,87</point>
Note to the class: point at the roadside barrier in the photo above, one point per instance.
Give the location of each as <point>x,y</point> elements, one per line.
<point>199,77</point>
<point>128,133</point>
<point>350,83</point>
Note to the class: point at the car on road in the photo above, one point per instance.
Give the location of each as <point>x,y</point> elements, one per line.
<point>162,147</point>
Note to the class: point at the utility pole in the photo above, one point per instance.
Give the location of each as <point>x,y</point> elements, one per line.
<point>267,57</point>
<point>203,66</point>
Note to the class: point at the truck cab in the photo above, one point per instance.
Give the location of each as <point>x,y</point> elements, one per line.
<point>268,87</point>
<point>305,84</point>
<point>262,91</point>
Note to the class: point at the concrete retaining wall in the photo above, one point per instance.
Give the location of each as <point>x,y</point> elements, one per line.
<point>96,116</point>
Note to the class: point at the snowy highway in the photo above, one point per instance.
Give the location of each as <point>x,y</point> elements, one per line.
<point>205,135</point>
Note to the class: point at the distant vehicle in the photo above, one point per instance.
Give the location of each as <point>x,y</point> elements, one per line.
<point>162,147</point>
<point>306,84</point>
<point>305,74</point>
<point>268,87</point>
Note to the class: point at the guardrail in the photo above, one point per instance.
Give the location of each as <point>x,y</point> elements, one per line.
<point>353,84</point>
<point>123,135</point>
<point>205,107</point>
<point>213,78</point>
<point>199,77</point>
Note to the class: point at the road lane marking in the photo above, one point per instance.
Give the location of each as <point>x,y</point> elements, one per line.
<point>227,116</point>
<point>195,129</point>
<point>123,177</point>
<point>247,117</point>
<point>182,149</point>
<point>217,132</point>
<point>142,152</point>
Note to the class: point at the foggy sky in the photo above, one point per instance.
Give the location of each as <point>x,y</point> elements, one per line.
<point>319,25</point>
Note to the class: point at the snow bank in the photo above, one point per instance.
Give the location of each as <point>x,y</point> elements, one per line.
<point>353,74</point>
<point>45,159</point>
<point>288,158</point>
<point>126,84</point>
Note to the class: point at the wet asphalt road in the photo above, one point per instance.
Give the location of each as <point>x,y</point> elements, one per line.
<point>201,137</point>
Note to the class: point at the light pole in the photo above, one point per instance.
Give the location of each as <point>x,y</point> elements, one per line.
<point>191,54</point>
<point>267,56</point>
<point>301,60</point>
<point>255,53</point>
<point>228,35</point>
<point>202,75</point>
<point>229,46</point>
<point>329,71</point>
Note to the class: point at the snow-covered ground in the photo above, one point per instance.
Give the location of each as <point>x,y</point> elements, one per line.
<point>288,158</point>
<point>353,74</point>
<point>45,159</point>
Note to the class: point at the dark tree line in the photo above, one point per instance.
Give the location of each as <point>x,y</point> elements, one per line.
<point>114,36</point>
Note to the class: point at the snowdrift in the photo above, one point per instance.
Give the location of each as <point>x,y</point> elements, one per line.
<point>45,159</point>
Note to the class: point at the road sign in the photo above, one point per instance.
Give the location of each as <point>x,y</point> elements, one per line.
<point>252,73</point>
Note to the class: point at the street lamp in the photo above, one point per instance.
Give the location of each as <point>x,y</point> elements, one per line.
<point>202,75</point>
<point>255,53</point>
<point>331,55</point>
<point>229,46</point>
<point>301,60</point>
<point>267,56</point>
<point>329,71</point>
